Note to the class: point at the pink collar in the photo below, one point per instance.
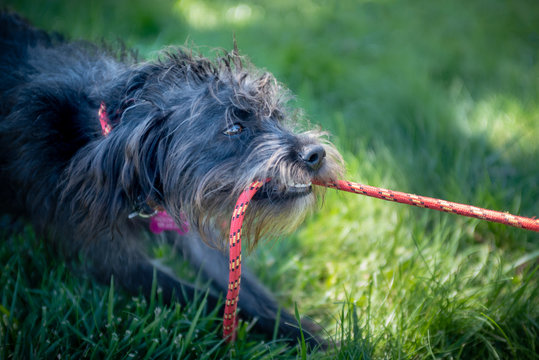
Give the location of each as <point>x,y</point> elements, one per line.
<point>106,126</point>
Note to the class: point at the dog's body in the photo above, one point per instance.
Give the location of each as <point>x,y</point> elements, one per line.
<point>188,135</point>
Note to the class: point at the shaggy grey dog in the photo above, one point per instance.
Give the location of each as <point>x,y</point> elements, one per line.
<point>187,135</point>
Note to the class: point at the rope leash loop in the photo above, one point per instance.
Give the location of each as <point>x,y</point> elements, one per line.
<point>162,221</point>
<point>230,322</point>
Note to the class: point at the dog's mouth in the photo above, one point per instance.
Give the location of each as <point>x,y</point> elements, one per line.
<point>280,192</point>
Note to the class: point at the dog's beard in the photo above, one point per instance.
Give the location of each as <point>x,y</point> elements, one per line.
<point>278,208</point>
<point>270,214</point>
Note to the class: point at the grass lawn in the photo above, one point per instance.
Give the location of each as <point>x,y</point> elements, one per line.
<point>435,98</point>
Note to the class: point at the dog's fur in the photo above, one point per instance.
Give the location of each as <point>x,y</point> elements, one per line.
<point>188,135</point>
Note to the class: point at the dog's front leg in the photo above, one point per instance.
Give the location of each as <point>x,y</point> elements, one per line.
<point>136,273</point>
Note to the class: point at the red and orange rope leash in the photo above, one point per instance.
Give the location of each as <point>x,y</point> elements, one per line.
<point>230,320</point>
<point>234,271</point>
<point>163,221</point>
<point>436,204</point>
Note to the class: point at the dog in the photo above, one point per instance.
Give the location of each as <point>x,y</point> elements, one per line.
<point>90,137</point>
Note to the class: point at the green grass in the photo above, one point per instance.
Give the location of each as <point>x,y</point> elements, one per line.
<point>436,98</point>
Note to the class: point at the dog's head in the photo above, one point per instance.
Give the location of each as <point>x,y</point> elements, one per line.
<point>200,131</point>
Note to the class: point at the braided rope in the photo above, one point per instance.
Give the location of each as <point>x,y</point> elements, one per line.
<point>234,272</point>
<point>436,204</point>
<point>234,277</point>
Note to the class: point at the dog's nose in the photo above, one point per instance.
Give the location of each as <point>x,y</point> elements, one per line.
<point>313,156</point>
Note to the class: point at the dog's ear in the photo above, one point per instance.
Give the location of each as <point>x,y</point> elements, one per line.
<point>145,153</point>
<point>136,81</point>
<point>131,90</point>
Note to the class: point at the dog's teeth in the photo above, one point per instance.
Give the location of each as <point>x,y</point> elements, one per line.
<point>298,185</point>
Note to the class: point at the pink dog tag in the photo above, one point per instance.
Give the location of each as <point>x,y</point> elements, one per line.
<point>163,221</point>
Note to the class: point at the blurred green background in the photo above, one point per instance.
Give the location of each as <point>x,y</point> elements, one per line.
<point>430,97</point>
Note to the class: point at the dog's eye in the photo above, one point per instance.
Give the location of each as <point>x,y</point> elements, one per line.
<point>233,130</point>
